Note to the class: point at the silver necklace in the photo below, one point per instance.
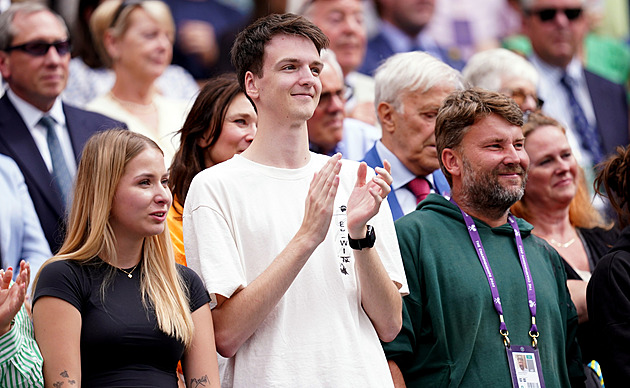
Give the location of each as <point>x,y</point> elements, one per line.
<point>562,245</point>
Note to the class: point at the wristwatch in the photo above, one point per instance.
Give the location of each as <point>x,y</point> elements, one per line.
<point>367,242</point>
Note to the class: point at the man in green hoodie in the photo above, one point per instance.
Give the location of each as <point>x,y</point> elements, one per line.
<point>484,291</point>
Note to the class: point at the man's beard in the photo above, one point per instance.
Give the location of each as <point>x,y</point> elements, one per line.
<point>483,192</point>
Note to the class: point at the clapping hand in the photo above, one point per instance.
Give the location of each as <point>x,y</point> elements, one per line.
<point>12,295</point>
<point>366,197</point>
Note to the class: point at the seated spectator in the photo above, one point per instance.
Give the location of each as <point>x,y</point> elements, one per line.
<point>503,71</point>
<point>343,23</point>
<point>410,88</point>
<point>40,132</point>
<point>20,358</point>
<point>557,203</point>
<point>136,40</point>
<point>607,293</point>
<point>329,130</point>
<point>403,27</point>
<point>593,110</point>
<point>113,308</point>
<point>21,234</point>
<point>482,287</point>
<point>221,123</point>
<point>90,78</point>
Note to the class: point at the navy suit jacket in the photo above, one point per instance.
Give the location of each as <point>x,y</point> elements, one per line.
<point>440,184</point>
<point>611,110</point>
<point>16,142</point>
<point>378,50</point>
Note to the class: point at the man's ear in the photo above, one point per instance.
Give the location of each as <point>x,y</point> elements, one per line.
<point>452,161</point>
<point>250,85</point>
<point>386,112</point>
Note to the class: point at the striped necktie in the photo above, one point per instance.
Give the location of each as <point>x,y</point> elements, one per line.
<point>60,173</point>
<point>589,137</point>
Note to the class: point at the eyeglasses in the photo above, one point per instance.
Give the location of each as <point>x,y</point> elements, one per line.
<point>121,8</point>
<point>326,97</point>
<point>549,14</point>
<point>39,48</point>
<point>519,96</point>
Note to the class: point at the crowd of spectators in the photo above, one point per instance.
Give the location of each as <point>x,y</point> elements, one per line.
<point>502,121</point>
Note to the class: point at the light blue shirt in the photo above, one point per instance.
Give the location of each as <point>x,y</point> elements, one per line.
<point>21,234</point>
<point>402,176</point>
<point>557,102</point>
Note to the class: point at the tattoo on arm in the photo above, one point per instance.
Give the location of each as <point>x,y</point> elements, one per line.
<point>66,375</point>
<point>200,382</point>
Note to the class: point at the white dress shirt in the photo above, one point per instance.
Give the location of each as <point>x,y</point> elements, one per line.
<point>31,116</point>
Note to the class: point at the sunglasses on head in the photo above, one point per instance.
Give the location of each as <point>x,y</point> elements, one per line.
<point>121,8</point>
<point>548,14</point>
<point>39,48</point>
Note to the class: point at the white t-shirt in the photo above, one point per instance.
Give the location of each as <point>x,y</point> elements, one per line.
<point>239,215</point>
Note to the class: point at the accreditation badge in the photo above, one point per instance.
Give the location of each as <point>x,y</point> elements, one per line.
<point>525,367</point>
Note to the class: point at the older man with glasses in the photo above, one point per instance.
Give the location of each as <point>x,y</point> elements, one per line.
<point>43,135</point>
<point>329,130</point>
<point>593,109</point>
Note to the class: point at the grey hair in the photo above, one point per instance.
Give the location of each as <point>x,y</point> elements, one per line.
<point>490,68</point>
<point>8,30</point>
<point>329,58</point>
<point>410,72</point>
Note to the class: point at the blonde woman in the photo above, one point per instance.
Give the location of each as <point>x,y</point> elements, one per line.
<point>135,39</point>
<point>112,309</point>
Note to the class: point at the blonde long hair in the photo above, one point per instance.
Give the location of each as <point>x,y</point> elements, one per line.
<point>90,234</point>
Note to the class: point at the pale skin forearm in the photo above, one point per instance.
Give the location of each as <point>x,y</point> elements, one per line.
<point>200,359</point>
<point>379,294</point>
<point>57,327</point>
<point>237,318</point>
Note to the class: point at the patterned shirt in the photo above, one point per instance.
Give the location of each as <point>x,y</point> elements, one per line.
<point>20,359</point>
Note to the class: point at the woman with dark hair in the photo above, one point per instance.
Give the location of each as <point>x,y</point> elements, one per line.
<point>221,123</point>
<point>608,292</point>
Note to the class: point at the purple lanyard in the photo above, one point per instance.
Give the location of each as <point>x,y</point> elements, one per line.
<point>481,253</point>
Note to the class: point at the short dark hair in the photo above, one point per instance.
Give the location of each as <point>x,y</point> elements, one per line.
<point>249,46</point>
<point>463,108</point>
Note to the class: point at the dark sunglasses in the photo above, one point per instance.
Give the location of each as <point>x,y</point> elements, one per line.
<point>39,48</point>
<point>548,14</point>
<point>121,7</point>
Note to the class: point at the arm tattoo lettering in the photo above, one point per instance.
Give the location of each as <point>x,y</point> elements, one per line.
<point>200,382</point>
<point>58,384</point>
<point>72,382</point>
<point>64,374</point>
